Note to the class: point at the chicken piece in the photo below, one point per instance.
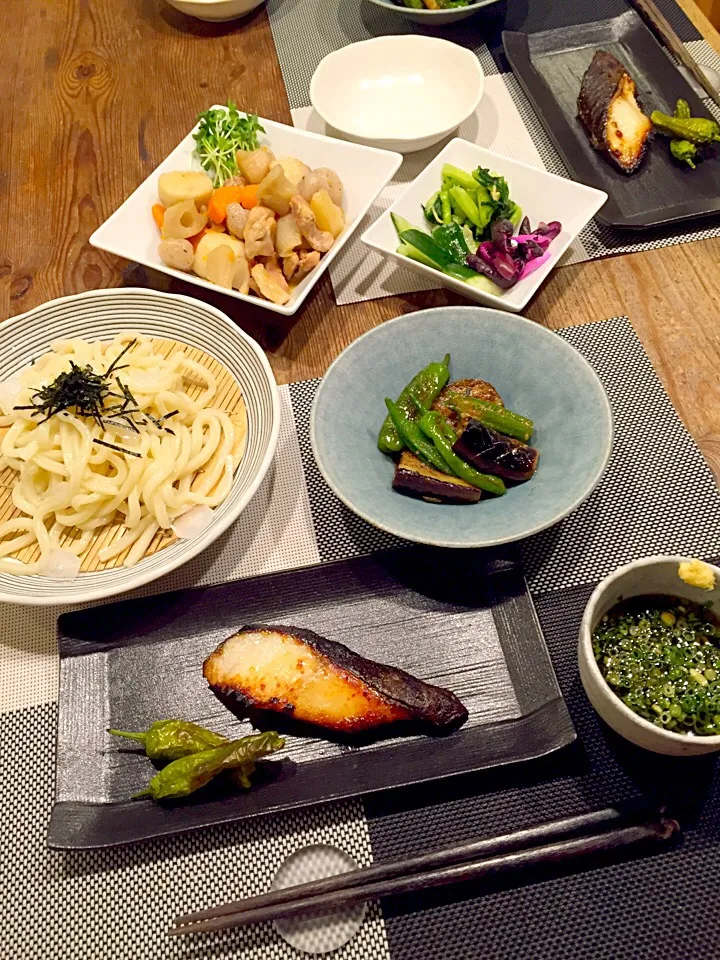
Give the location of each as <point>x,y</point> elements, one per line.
<point>236,181</point>
<point>178,254</point>
<point>273,270</point>
<point>299,674</point>
<point>259,233</point>
<point>608,107</point>
<point>241,277</point>
<point>308,262</point>
<point>320,240</point>
<point>268,286</point>
<point>236,218</point>
<point>290,265</point>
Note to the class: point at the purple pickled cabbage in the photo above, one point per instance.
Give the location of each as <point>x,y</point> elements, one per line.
<point>504,259</point>
<point>487,270</point>
<point>550,230</point>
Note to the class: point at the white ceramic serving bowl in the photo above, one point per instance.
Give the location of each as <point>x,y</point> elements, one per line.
<point>652,575</point>
<point>100,315</point>
<point>542,196</point>
<point>434,18</point>
<point>131,232</point>
<point>215,11</point>
<point>400,93</point>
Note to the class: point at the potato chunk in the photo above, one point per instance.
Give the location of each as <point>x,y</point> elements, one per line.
<point>328,215</point>
<point>255,164</point>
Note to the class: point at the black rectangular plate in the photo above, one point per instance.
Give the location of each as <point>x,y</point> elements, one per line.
<point>550,67</point>
<point>462,621</point>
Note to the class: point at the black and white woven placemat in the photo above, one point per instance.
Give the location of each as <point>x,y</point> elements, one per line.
<point>657,496</point>
<point>505,121</point>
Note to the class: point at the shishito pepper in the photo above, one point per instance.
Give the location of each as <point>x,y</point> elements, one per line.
<point>414,439</point>
<point>426,385</point>
<point>694,129</point>
<point>172,739</point>
<point>432,426</point>
<point>186,775</point>
<point>683,150</point>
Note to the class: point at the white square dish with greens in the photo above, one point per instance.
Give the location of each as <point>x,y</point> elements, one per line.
<point>489,227</point>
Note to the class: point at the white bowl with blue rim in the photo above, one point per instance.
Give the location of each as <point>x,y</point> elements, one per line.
<point>536,372</point>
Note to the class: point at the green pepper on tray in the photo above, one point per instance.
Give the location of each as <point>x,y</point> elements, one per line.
<point>172,739</point>
<point>432,426</point>
<point>188,774</point>
<point>426,385</point>
<point>694,129</point>
<point>683,150</point>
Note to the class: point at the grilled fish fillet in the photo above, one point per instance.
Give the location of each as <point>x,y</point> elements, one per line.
<point>317,681</point>
<point>608,106</point>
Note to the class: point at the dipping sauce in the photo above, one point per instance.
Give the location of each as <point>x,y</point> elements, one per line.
<point>661,656</point>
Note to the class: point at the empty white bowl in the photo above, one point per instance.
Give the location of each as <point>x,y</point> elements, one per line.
<point>215,11</point>
<point>434,18</point>
<point>652,575</point>
<point>401,93</point>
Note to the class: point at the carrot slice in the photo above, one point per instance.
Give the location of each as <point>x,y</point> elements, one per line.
<point>217,208</point>
<point>196,238</point>
<point>248,196</point>
<point>158,212</point>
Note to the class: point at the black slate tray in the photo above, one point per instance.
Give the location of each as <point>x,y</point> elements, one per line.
<point>550,67</point>
<point>461,620</point>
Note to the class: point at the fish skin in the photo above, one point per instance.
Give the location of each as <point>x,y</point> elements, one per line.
<point>604,81</point>
<point>324,683</point>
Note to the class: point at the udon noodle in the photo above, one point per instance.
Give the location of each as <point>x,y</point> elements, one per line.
<point>76,474</point>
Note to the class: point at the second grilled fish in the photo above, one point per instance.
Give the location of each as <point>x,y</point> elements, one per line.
<point>299,674</point>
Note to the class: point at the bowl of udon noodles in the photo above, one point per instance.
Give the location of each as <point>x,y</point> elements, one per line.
<point>135,427</point>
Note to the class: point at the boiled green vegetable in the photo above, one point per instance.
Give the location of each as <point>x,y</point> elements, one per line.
<point>172,739</point>
<point>452,240</point>
<point>426,385</point>
<point>432,426</point>
<point>188,774</point>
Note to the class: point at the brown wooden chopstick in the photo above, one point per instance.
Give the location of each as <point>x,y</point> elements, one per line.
<point>657,22</point>
<point>405,877</point>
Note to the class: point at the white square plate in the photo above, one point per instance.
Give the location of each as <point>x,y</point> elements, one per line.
<point>131,232</point>
<point>542,196</point>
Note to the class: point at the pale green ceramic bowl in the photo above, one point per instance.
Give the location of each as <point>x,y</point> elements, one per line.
<point>537,374</point>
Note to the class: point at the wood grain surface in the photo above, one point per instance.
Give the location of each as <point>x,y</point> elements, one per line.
<point>96,93</point>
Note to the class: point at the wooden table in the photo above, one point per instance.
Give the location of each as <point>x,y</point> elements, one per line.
<point>96,94</point>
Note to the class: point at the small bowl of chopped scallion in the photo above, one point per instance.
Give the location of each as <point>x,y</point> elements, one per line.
<point>649,654</point>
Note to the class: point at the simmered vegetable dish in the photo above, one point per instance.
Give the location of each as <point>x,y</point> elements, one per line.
<point>455,440</point>
<point>247,221</point>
